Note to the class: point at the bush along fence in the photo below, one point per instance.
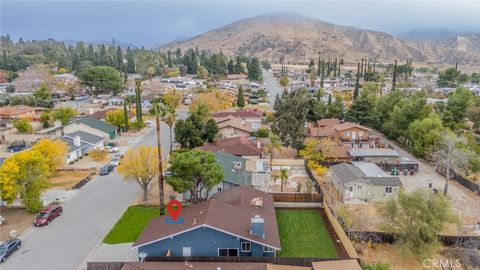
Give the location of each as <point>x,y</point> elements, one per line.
<point>385,237</point>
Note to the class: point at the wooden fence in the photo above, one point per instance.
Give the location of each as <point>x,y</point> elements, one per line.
<point>298,197</point>
<point>305,262</point>
<point>385,237</point>
<point>104,265</point>
<point>474,187</point>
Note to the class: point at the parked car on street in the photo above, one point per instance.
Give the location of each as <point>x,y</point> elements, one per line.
<point>8,247</point>
<point>106,169</point>
<point>48,214</point>
<point>112,149</point>
<point>115,161</point>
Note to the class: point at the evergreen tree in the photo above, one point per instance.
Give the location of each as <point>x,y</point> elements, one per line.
<point>119,60</point>
<point>319,69</point>
<point>254,71</point>
<point>91,53</point>
<point>130,61</point>
<point>231,67</point>
<point>138,101</point>
<point>240,98</point>
<point>335,68</point>
<point>323,74</point>
<point>394,79</point>
<point>357,82</point>
<point>238,68</point>
<point>125,116</point>
<point>362,110</point>
<point>311,64</point>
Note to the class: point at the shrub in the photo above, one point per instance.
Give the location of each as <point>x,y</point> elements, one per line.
<point>137,125</point>
<point>263,133</point>
<point>375,266</point>
<point>23,125</point>
<point>98,154</point>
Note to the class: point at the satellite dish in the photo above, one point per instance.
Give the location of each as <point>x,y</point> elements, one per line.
<point>142,255</point>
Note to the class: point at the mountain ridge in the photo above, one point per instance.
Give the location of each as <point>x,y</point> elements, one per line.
<point>272,36</point>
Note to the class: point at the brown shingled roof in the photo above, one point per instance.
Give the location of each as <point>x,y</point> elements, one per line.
<point>229,211</point>
<point>231,121</point>
<point>348,125</point>
<point>238,146</point>
<point>245,113</point>
<point>13,110</point>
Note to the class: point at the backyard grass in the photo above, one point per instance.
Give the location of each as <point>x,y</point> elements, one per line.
<point>303,234</point>
<point>131,224</point>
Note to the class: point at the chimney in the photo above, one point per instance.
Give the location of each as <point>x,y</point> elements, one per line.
<point>57,123</point>
<point>259,144</point>
<point>76,141</point>
<point>256,226</point>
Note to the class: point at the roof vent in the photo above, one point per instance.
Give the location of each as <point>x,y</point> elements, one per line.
<point>257,202</point>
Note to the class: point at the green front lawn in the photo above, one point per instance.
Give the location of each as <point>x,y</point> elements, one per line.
<point>303,234</point>
<point>131,224</point>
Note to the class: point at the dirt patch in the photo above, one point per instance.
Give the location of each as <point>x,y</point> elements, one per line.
<point>387,253</point>
<point>69,179</point>
<point>17,219</point>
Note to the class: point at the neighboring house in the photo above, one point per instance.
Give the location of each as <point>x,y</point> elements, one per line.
<point>75,148</point>
<point>56,130</point>
<point>351,133</point>
<point>100,115</point>
<point>17,146</point>
<point>363,183</point>
<point>115,101</point>
<point>237,146</point>
<point>348,133</point>
<point>231,126</point>
<point>253,118</point>
<point>16,112</point>
<point>234,171</point>
<point>92,141</point>
<point>92,126</point>
<point>338,153</point>
<point>375,155</point>
<point>238,222</point>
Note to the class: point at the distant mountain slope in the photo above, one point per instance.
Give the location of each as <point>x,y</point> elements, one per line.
<point>271,36</point>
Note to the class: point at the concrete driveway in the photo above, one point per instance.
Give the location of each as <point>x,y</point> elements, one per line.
<point>87,217</point>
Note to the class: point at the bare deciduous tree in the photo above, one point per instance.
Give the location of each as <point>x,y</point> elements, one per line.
<point>451,155</point>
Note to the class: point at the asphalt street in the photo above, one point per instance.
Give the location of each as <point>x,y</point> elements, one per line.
<point>87,217</point>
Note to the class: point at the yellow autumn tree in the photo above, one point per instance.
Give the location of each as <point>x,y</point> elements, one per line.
<point>9,172</point>
<point>141,165</point>
<point>316,150</point>
<point>171,98</point>
<point>215,100</point>
<point>53,153</point>
<point>24,173</point>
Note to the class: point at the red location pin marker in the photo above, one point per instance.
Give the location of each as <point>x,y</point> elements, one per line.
<point>174,213</point>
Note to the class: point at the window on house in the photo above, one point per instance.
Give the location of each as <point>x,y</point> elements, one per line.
<point>347,133</point>
<point>219,189</point>
<point>350,188</point>
<point>360,133</point>
<point>68,156</point>
<point>388,189</point>
<point>246,246</point>
<point>268,249</point>
<point>227,252</point>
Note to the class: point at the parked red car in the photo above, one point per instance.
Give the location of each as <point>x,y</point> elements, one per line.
<point>48,214</point>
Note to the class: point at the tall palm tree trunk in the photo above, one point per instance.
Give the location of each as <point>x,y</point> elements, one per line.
<point>171,141</point>
<point>160,166</point>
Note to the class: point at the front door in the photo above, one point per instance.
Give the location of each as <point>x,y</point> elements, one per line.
<point>186,251</point>
<point>354,135</point>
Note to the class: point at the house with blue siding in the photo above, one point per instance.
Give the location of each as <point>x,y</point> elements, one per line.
<point>237,222</point>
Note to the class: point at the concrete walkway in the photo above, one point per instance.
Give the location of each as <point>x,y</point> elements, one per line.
<point>114,253</point>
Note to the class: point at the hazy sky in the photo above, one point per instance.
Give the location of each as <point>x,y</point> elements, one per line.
<point>151,23</point>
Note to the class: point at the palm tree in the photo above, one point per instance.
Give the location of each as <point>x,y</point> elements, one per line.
<point>283,177</point>
<point>170,119</point>
<point>275,143</point>
<point>158,111</point>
